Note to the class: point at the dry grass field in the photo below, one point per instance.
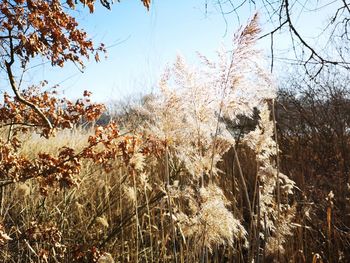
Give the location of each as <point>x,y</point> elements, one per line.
<point>203,171</point>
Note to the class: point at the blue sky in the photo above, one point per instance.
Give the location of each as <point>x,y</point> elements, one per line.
<point>143,42</point>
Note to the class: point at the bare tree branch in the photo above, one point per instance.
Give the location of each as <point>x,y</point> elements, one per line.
<point>282,11</point>
<point>15,88</point>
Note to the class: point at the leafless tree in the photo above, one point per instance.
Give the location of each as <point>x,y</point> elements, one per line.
<point>330,42</point>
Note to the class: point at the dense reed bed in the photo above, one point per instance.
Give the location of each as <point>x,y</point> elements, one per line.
<point>200,172</point>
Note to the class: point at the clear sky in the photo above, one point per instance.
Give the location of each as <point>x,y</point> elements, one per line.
<point>143,42</point>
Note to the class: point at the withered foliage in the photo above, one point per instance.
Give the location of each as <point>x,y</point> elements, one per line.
<point>47,28</point>
<point>193,183</point>
<point>38,27</point>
